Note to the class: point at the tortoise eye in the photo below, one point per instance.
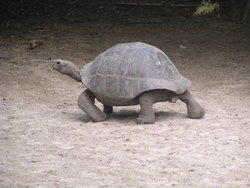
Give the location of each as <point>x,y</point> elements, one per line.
<point>58,62</point>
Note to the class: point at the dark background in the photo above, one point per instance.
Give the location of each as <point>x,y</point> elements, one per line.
<point>54,9</point>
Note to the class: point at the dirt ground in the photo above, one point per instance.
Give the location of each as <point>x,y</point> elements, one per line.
<point>47,141</point>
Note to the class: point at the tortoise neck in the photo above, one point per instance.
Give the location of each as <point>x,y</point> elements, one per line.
<point>75,73</point>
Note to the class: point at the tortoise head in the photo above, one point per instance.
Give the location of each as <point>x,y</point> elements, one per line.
<point>62,66</point>
<point>67,67</point>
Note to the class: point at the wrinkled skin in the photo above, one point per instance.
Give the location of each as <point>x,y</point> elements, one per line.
<point>86,100</point>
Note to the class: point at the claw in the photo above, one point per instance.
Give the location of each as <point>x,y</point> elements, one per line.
<point>144,120</point>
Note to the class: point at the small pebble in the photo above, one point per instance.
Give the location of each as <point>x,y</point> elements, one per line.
<point>182,47</point>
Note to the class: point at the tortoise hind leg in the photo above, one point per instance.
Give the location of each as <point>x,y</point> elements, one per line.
<point>107,109</point>
<point>195,111</point>
<point>147,115</point>
<point>86,102</point>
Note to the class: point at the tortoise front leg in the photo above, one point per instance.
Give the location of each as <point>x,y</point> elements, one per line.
<point>195,111</point>
<point>86,102</point>
<point>147,115</point>
<point>107,109</point>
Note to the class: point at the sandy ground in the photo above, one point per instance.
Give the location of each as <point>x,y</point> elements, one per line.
<point>47,141</point>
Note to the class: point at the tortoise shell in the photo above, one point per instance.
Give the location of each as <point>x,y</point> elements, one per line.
<point>128,69</point>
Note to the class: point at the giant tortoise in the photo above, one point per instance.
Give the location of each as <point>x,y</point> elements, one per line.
<point>130,74</point>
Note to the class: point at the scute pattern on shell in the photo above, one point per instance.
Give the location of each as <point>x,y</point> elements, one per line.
<point>128,69</point>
